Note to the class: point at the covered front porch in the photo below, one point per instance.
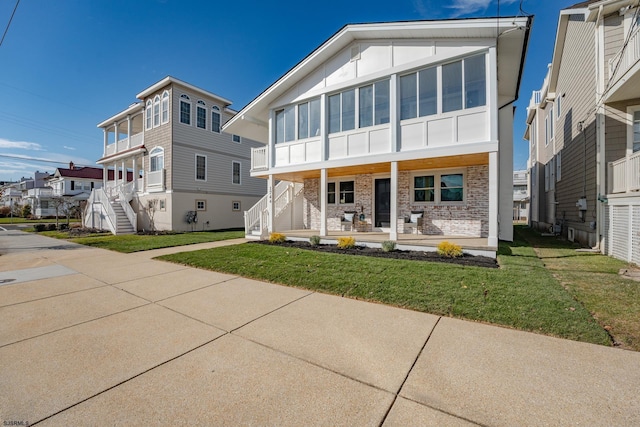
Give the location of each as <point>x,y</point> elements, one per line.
<point>405,241</point>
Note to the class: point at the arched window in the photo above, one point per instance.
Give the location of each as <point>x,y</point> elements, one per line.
<point>185,109</point>
<point>201,114</point>
<point>156,159</point>
<point>148,114</point>
<point>156,111</point>
<point>215,119</point>
<point>165,107</point>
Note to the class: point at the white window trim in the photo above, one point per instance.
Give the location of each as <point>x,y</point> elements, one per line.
<point>239,174</point>
<point>184,98</point>
<point>215,109</point>
<point>196,168</point>
<point>437,174</point>
<point>148,115</point>
<point>551,125</point>
<point>546,131</point>
<point>156,103</point>
<point>200,105</point>
<point>156,152</point>
<point>233,204</point>
<point>630,111</point>
<point>165,97</point>
<point>559,106</point>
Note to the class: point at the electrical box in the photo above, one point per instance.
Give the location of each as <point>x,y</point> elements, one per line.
<point>582,204</point>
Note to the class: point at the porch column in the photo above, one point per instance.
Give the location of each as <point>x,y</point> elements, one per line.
<point>105,175</point>
<point>135,174</point>
<point>115,174</point>
<point>270,202</point>
<point>144,173</point>
<point>128,130</point>
<point>394,113</point>
<point>493,199</point>
<point>323,202</point>
<point>117,135</point>
<point>393,229</point>
<point>106,141</point>
<point>324,151</point>
<point>124,173</point>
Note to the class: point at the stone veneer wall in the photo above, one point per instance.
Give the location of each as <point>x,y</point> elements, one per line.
<point>470,219</point>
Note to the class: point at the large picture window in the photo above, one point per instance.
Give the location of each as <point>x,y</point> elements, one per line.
<point>438,187</point>
<point>462,85</point>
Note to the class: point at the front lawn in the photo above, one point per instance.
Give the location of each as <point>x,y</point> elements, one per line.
<point>522,294</point>
<point>128,243</point>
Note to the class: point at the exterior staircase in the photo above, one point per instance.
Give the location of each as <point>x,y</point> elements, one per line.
<point>256,219</point>
<point>111,212</point>
<point>123,225</point>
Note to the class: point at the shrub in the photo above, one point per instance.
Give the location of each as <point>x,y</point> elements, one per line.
<point>64,226</point>
<point>277,238</point>
<point>314,240</point>
<point>388,246</point>
<point>5,211</point>
<point>39,227</point>
<point>51,227</point>
<point>346,242</point>
<point>449,250</point>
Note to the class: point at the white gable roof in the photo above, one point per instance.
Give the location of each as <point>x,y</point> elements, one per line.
<point>512,34</point>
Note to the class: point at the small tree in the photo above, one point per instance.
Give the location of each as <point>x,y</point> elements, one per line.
<point>26,211</point>
<point>151,208</point>
<point>64,206</point>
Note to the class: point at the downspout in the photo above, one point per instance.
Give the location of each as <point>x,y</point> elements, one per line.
<point>600,128</point>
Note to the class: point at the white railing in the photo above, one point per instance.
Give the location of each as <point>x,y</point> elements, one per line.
<point>156,178</point>
<point>99,201</point>
<point>624,174</point>
<point>259,158</point>
<point>298,152</point>
<point>256,214</point>
<point>626,56</point>
<point>535,99</point>
<point>124,144</point>
<point>137,140</point>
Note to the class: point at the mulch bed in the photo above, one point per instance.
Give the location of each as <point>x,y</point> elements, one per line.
<point>466,260</point>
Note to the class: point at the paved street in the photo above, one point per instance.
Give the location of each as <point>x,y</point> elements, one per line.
<point>94,337</point>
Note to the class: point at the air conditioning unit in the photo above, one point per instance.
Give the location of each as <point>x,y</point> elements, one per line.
<point>571,234</point>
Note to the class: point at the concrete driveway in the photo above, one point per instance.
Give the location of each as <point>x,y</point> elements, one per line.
<point>93,337</point>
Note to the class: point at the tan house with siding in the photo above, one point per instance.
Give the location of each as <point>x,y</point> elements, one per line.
<point>584,130</point>
<point>187,174</point>
<point>396,131</point>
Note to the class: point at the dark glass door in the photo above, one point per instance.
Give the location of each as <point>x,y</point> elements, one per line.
<point>383,202</point>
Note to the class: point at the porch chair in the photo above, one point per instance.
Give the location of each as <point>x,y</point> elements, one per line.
<point>348,219</point>
<point>414,222</point>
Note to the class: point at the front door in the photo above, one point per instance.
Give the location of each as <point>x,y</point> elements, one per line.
<point>382,209</point>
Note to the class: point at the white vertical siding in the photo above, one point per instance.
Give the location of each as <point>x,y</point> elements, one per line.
<point>620,232</point>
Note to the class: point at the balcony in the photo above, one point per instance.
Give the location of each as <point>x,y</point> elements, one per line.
<point>156,180</point>
<point>624,174</point>
<point>259,158</point>
<point>124,144</point>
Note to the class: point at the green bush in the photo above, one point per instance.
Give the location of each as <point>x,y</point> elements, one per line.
<point>449,250</point>
<point>51,227</point>
<point>314,240</point>
<point>388,246</point>
<point>39,227</point>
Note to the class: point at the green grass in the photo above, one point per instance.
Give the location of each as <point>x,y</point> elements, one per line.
<point>134,243</point>
<point>593,279</point>
<point>522,294</point>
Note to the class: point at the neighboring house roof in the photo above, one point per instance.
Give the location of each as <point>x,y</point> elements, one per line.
<point>87,172</point>
<point>252,120</point>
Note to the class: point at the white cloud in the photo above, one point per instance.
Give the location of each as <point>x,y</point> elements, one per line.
<point>68,148</point>
<point>467,7</point>
<point>20,145</point>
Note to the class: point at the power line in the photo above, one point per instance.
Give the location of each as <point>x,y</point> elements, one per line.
<point>9,23</point>
<point>38,159</point>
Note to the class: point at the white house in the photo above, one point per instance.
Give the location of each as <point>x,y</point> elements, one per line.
<point>397,131</point>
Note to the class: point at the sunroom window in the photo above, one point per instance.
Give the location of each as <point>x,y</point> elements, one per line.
<point>342,111</point>
<point>374,104</point>
<point>309,119</point>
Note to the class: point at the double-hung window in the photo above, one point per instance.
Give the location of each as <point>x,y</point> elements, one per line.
<point>235,173</point>
<point>164,107</point>
<point>201,115</point>
<point>342,111</point>
<point>342,192</point>
<point>424,188</point>
<point>201,168</point>
<point>309,119</point>
<point>215,119</point>
<point>451,187</point>
<point>185,109</point>
<point>285,124</point>
<point>156,111</point>
<point>148,114</point>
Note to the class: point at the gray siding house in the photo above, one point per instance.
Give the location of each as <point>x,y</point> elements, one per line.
<point>183,173</point>
<point>584,130</point>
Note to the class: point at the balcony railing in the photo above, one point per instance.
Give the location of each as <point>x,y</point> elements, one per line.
<point>259,158</point>
<point>626,57</point>
<point>125,144</point>
<point>624,174</point>
<point>155,179</point>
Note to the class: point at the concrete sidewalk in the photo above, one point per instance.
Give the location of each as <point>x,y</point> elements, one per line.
<point>109,338</point>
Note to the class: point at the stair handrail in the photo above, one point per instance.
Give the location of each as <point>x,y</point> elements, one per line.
<point>99,197</point>
<point>253,216</point>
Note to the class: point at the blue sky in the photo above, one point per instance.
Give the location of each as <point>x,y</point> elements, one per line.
<point>67,65</point>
